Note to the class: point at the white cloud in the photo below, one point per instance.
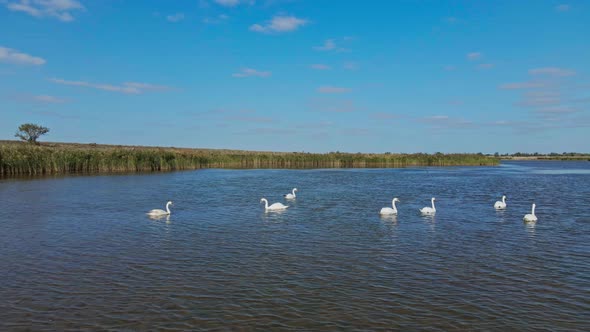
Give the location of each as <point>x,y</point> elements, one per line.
<point>127,87</point>
<point>319,66</point>
<point>175,18</point>
<point>60,9</point>
<point>280,24</point>
<point>9,55</point>
<point>552,71</point>
<point>248,72</point>
<point>332,89</point>
<point>474,56</point>
<point>331,105</point>
<point>563,8</point>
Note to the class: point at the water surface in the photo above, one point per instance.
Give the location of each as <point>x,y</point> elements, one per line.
<point>80,253</point>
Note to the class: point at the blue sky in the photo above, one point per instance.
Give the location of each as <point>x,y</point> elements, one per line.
<point>296,75</point>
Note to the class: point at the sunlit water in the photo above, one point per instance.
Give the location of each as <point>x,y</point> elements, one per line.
<point>80,253</point>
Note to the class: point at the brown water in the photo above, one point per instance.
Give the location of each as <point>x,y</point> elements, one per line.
<point>80,253</point>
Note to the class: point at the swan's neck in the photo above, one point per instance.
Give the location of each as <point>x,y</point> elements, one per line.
<point>293,192</point>
<point>265,203</point>
<point>393,204</point>
<point>533,210</point>
<point>168,208</point>
<point>504,199</point>
<point>433,205</point>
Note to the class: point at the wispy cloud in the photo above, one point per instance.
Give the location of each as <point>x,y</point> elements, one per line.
<point>328,45</point>
<point>333,105</point>
<point>249,72</point>
<point>446,122</point>
<point>175,18</point>
<point>539,98</point>
<point>279,24</point>
<point>60,9</point>
<point>563,8</point>
<point>522,85</point>
<point>52,114</point>
<point>332,89</point>
<point>485,66</point>
<point>384,116</point>
<point>319,66</point>
<point>47,99</point>
<point>350,65</point>
<point>450,20</point>
<point>127,87</point>
<point>216,20</point>
<point>39,99</point>
<point>474,56</point>
<point>556,110</point>
<point>9,55</point>
<point>333,45</point>
<point>233,3</point>
<point>552,71</point>
<point>249,119</point>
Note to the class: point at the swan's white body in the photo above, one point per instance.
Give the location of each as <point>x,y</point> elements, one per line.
<point>291,195</point>
<point>388,210</point>
<point>530,217</point>
<point>160,212</point>
<point>273,207</point>
<point>500,205</point>
<point>429,210</point>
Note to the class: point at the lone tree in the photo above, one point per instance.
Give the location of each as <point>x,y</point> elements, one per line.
<point>30,132</point>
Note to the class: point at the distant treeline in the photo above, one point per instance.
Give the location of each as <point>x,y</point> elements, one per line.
<point>17,158</point>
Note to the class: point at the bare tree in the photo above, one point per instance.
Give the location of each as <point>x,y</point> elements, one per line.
<point>30,132</point>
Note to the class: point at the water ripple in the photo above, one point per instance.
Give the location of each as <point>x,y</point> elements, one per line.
<point>80,254</point>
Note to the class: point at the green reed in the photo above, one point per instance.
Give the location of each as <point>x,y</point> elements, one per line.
<point>20,158</point>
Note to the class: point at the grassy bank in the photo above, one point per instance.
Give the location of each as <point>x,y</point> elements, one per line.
<point>18,158</point>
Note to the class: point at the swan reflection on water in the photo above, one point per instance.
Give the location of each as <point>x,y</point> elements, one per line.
<point>165,217</point>
<point>273,215</point>
<point>390,218</point>
<point>530,227</point>
<point>430,219</point>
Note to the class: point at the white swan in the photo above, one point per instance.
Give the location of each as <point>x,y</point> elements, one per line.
<point>388,210</point>
<point>160,212</point>
<point>274,207</point>
<point>530,217</point>
<point>291,195</point>
<point>500,205</point>
<point>429,210</point>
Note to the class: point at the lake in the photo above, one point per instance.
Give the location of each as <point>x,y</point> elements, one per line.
<point>79,252</point>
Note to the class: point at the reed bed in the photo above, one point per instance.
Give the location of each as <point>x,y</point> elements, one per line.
<point>18,158</point>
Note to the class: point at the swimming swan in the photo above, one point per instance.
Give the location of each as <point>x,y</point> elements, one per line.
<point>160,212</point>
<point>530,217</point>
<point>387,210</point>
<point>274,207</point>
<point>429,210</point>
<point>291,195</point>
<point>500,205</point>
